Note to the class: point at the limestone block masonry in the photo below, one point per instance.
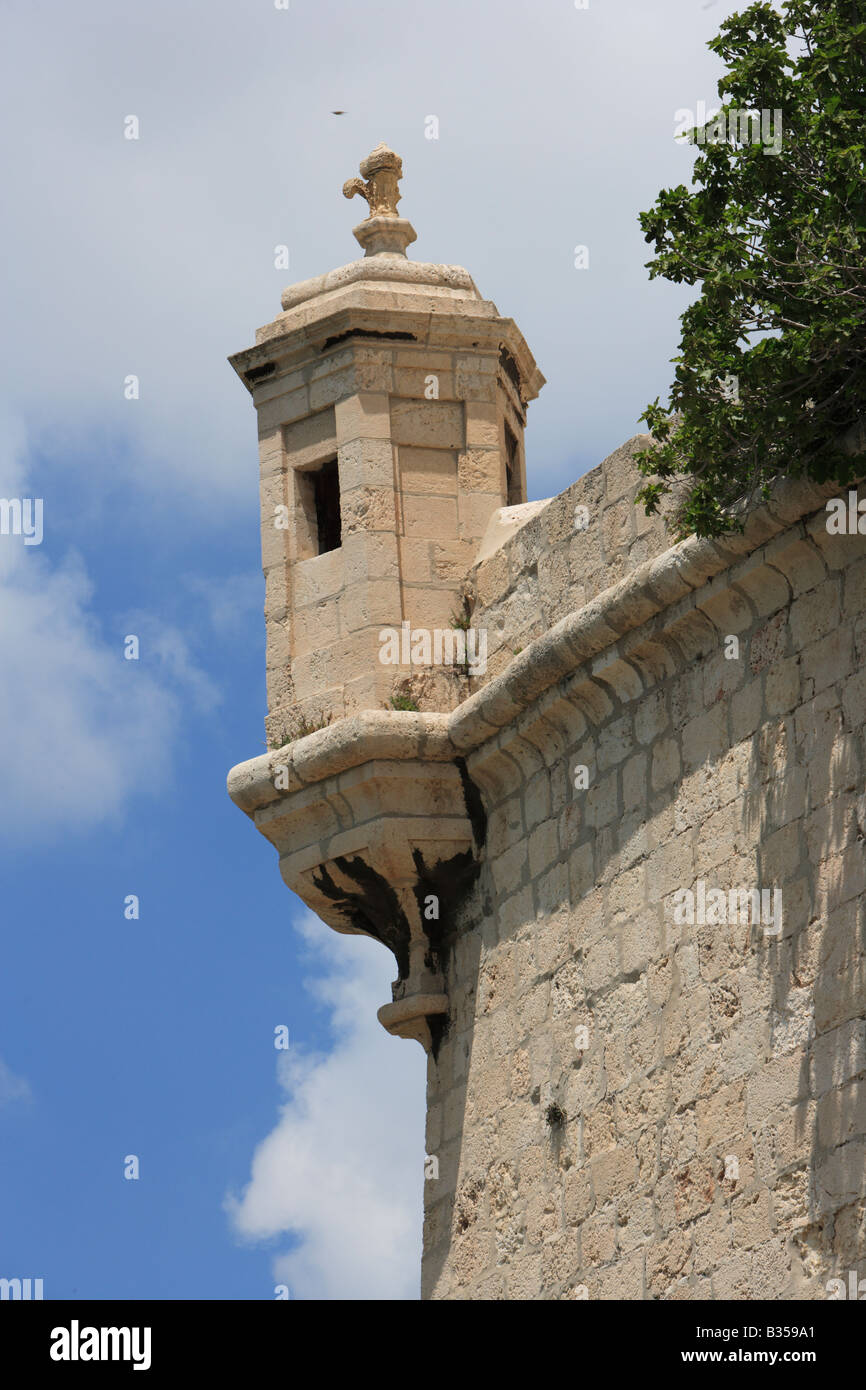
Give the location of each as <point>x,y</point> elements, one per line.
<point>643,996</point>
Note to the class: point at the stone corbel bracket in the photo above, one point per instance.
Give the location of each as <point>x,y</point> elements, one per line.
<point>378,830</point>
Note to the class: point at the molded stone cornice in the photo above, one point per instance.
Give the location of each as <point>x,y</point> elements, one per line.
<point>435,316</point>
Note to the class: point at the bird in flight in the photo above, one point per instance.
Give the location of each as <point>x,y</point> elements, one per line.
<point>338,113</point>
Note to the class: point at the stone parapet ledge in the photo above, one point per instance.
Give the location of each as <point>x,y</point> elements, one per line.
<point>399,735</point>
<point>377,814</point>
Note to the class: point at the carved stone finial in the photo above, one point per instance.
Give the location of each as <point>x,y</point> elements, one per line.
<point>383,170</point>
<point>384,231</point>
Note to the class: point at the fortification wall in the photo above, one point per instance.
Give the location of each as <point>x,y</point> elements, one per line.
<point>575,546</point>
<point>706,1136</point>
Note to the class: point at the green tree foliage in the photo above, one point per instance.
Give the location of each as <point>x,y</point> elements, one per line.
<point>777,243</point>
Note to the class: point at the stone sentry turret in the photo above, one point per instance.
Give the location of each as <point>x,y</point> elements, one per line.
<point>391,402</point>
<point>628,1096</point>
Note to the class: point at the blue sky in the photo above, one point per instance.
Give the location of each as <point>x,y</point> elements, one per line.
<point>155,257</point>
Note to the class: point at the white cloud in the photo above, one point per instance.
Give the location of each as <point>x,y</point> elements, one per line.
<point>167,264</point>
<point>343,1169</point>
<point>12,1087</point>
<point>83,729</point>
<point>166,646</point>
<point>232,602</point>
